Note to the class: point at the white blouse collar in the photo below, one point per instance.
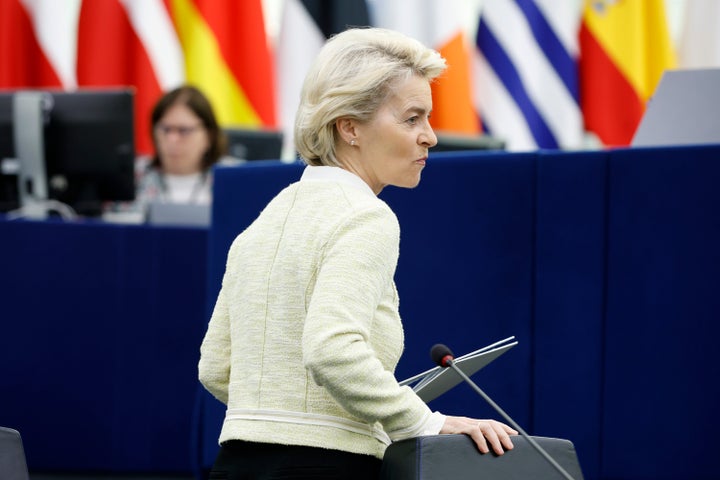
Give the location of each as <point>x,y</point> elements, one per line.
<point>335,174</point>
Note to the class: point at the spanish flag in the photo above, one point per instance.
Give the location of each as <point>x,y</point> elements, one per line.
<point>227,56</point>
<point>625,47</point>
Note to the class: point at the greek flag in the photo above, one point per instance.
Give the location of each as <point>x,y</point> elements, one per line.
<point>526,73</point>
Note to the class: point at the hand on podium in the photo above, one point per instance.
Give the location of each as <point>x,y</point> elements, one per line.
<point>483,432</point>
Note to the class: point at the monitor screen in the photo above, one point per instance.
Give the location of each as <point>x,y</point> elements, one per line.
<point>248,144</point>
<point>9,195</point>
<point>89,151</point>
<point>457,142</point>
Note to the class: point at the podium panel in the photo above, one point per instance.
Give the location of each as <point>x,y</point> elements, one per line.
<point>12,455</point>
<point>439,457</point>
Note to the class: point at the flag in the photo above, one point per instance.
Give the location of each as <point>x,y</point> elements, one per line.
<point>625,47</point>
<point>131,43</point>
<point>526,73</point>
<point>700,36</point>
<point>227,56</point>
<point>152,46</point>
<point>37,43</point>
<point>439,25</point>
<point>305,25</point>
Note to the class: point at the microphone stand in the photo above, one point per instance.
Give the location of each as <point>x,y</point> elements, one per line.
<point>540,450</point>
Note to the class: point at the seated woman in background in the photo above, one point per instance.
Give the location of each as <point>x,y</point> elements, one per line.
<point>188,142</point>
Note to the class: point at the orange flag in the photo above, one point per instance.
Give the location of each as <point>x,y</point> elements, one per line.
<point>439,25</point>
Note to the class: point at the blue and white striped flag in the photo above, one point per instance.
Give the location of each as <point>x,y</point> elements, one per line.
<point>526,75</point>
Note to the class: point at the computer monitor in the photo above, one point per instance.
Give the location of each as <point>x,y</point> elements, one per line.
<point>87,152</point>
<point>684,110</point>
<point>450,142</point>
<point>249,144</point>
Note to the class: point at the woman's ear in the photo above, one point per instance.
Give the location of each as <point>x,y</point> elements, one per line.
<point>346,128</point>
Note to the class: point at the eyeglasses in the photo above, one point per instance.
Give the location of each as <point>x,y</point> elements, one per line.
<point>182,131</point>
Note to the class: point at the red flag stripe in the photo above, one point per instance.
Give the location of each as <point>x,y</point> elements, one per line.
<point>239,28</point>
<point>111,54</point>
<point>23,62</point>
<point>611,107</point>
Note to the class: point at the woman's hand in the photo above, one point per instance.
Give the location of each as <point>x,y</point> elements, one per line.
<point>482,432</point>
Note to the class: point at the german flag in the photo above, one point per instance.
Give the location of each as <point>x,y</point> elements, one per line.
<point>228,57</point>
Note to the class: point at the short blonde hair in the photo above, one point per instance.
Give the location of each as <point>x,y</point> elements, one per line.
<point>350,78</point>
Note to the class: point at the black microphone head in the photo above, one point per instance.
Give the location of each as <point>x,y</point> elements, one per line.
<point>440,354</point>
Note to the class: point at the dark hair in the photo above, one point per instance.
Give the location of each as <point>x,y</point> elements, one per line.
<point>196,101</point>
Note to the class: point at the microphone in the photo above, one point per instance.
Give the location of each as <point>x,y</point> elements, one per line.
<point>444,357</point>
<point>441,355</point>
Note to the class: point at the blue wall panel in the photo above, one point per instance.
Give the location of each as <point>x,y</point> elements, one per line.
<point>569,296</point>
<point>100,328</point>
<point>465,272</point>
<point>604,265</point>
<point>662,367</point>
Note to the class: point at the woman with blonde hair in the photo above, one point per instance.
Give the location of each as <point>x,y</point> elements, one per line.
<point>306,332</point>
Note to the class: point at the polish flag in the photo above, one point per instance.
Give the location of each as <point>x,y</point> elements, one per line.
<point>38,43</point>
<point>130,43</point>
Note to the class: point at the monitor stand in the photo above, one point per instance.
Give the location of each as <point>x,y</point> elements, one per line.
<point>30,109</point>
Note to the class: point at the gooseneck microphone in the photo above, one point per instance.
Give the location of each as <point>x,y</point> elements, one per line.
<point>444,357</point>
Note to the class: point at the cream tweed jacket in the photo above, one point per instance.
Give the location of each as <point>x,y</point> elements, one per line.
<point>305,334</point>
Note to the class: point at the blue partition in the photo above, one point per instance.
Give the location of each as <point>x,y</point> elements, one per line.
<point>550,247</point>
<point>465,272</point>
<point>662,369</point>
<point>570,247</point>
<point>100,339</point>
<point>604,265</point>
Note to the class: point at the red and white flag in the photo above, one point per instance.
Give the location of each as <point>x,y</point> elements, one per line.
<point>130,43</point>
<point>90,43</point>
<point>38,43</point>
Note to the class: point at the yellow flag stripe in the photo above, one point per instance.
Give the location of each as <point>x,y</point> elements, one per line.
<point>206,68</point>
<point>635,36</point>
